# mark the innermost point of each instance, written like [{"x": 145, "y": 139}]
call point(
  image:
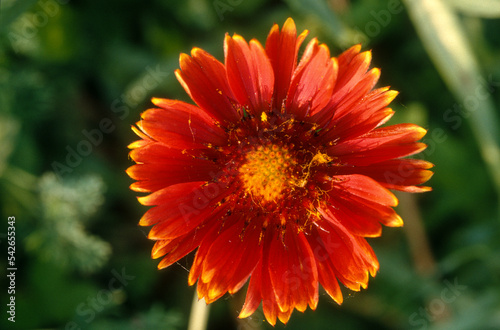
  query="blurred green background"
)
[{"x": 74, "y": 75}]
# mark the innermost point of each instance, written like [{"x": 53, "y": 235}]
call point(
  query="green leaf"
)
[
  {"x": 444, "y": 39},
  {"x": 61, "y": 236},
  {"x": 11, "y": 10},
  {"x": 482, "y": 8},
  {"x": 9, "y": 129},
  {"x": 337, "y": 30}
]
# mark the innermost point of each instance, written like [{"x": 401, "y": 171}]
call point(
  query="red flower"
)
[{"x": 278, "y": 174}]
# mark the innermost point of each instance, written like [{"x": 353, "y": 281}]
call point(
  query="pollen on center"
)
[{"x": 267, "y": 171}]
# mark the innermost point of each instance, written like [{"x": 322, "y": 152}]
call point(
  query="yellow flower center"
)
[{"x": 267, "y": 171}]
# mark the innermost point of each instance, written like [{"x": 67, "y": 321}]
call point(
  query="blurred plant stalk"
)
[
  {"x": 445, "y": 41},
  {"x": 198, "y": 317}
]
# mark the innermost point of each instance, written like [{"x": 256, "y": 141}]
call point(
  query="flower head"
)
[{"x": 278, "y": 174}]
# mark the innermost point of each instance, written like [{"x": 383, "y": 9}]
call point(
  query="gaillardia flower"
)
[{"x": 278, "y": 174}]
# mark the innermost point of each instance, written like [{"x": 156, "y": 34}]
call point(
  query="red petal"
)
[
  {"x": 170, "y": 197},
  {"x": 362, "y": 223},
  {"x": 261, "y": 289},
  {"x": 353, "y": 110},
  {"x": 399, "y": 174},
  {"x": 204, "y": 79},
  {"x": 180, "y": 220},
  {"x": 179, "y": 129},
  {"x": 363, "y": 218},
  {"x": 401, "y": 133},
  {"x": 253, "y": 296},
  {"x": 169, "y": 194},
  {"x": 336, "y": 109},
  {"x": 380, "y": 145},
  {"x": 197, "y": 265},
  {"x": 356, "y": 117},
  {"x": 312, "y": 82},
  {"x": 364, "y": 196},
  {"x": 269, "y": 304},
  {"x": 285, "y": 316},
  {"x": 326, "y": 271},
  {"x": 250, "y": 73},
  {"x": 352, "y": 101},
  {"x": 231, "y": 259},
  {"x": 279, "y": 49},
  {"x": 351, "y": 256},
  {"x": 152, "y": 177},
  {"x": 188, "y": 120},
  {"x": 293, "y": 272},
  {"x": 365, "y": 188},
  {"x": 352, "y": 66},
  {"x": 178, "y": 248},
  {"x": 159, "y": 153},
  {"x": 140, "y": 143}
]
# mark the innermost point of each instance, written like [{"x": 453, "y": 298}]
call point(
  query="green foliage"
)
[
  {"x": 8, "y": 131},
  {"x": 155, "y": 318},
  {"x": 65, "y": 210}
]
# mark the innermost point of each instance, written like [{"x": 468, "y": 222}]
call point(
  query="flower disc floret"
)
[{"x": 267, "y": 172}]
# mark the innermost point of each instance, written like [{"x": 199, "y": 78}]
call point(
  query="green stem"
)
[{"x": 199, "y": 314}]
